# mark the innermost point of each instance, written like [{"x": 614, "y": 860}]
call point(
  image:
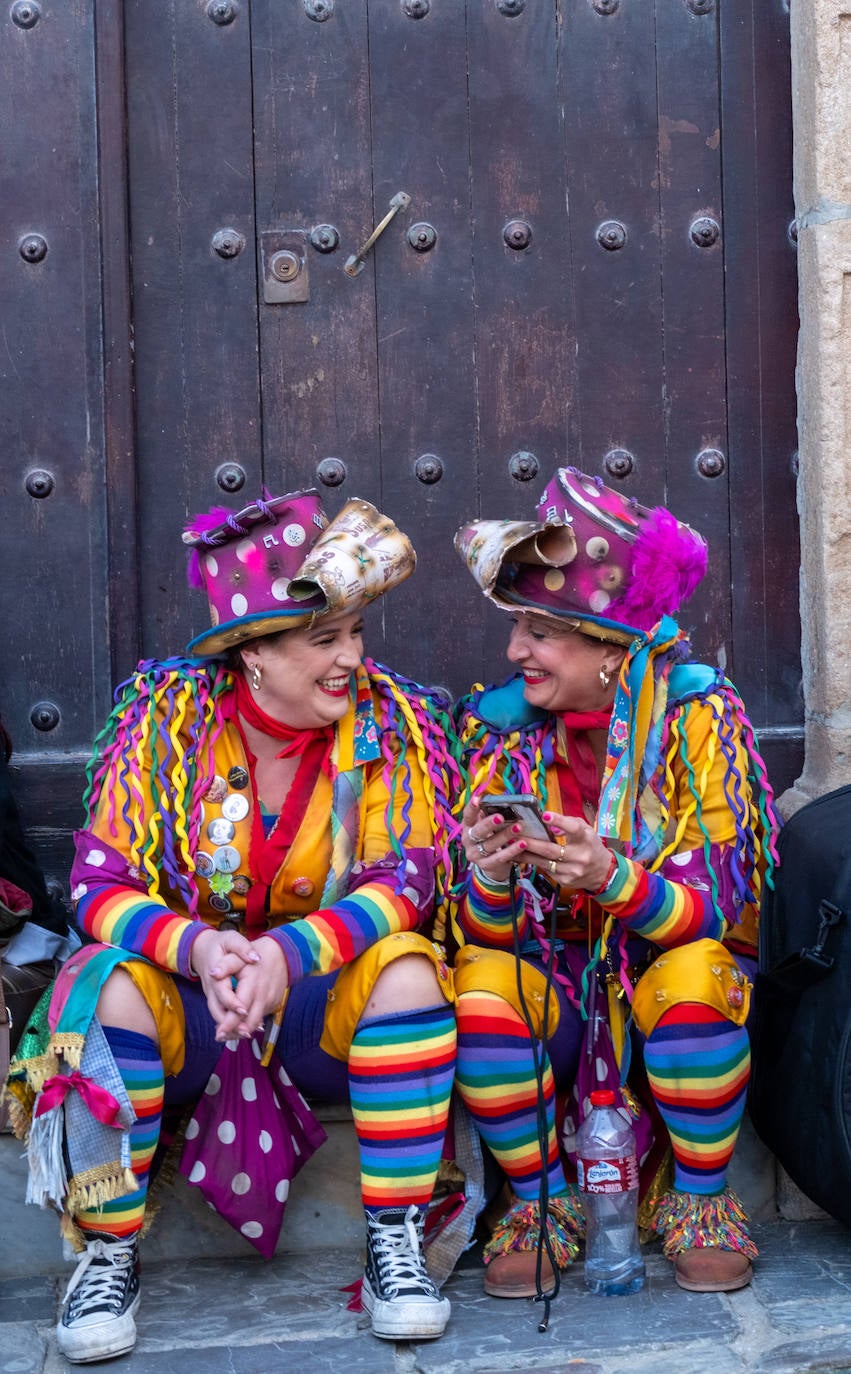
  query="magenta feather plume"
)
[
  {"x": 669, "y": 560},
  {"x": 200, "y": 525}
]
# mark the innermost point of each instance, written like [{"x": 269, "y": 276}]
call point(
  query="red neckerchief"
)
[
  {"x": 267, "y": 852},
  {"x": 578, "y": 778}
]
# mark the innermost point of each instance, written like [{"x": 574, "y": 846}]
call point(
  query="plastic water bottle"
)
[{"x": 608, "y": 1181}]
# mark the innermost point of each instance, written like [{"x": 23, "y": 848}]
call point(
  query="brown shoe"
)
[
  {"x": 710, "y": 1270},
  {"x": 512, "y": 1275}
]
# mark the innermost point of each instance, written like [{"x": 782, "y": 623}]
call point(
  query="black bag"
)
[{"x": 800, "y": 1094}]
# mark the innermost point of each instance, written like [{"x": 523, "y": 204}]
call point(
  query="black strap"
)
[{"x": 797, "y": 972}]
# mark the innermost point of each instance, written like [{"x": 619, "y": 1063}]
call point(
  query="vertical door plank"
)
[
  {"x": 426, "y": 380},
  {"x": 190, "y": 159},
  {"x": 762, "y": 325},
  {"x": 53, "y": 603},
  {"x": 608, "y": 87},
  {"x": 51, "y": 377},
  {"x": 312, "y": 148},
  {"x": 692, "y": 287},
  {"x": 525, "y": 332}
]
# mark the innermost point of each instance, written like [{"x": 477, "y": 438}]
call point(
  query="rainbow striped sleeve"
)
[
  {"x": 335, "y": 935},
  {"x": 663, "y": 912},
  {"x": 485, "y": 913},
  {"x": 123, "y": 916}
]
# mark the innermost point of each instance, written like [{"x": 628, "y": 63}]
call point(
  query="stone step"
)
[{"x": 324, "y": 1207}]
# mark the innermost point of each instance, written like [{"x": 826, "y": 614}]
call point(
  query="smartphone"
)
[{"x": 518, "y": 808}]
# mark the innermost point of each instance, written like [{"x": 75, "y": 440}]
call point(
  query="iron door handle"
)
[{"x": 355, "y": 264}]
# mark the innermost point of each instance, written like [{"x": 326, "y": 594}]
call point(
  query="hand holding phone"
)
[{"x": 518, "y": 808}]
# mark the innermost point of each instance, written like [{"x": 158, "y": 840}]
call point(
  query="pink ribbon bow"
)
[{"x": 99, "y": 1102}]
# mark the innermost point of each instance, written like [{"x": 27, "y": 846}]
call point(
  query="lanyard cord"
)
[{"x": 539, "y": 1054}]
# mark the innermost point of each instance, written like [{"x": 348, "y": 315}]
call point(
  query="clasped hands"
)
[
  {"x": 575, "y": 858},
  {"x": 243, "y": 980}
]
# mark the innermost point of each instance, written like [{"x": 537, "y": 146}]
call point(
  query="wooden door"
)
[{"x": 594, "y": 266}]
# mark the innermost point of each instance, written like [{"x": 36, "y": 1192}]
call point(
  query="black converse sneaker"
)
[
  {"x": 97, "y": 1314},
  {"x": 398, "y": 1294}
]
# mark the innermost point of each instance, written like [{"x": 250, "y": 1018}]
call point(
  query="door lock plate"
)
[{"x": 284, "y": 257}]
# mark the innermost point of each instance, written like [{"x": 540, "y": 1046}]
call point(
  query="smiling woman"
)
[
  {"x": 265, "y": 854},
  {"x": 636, "y": 916}
]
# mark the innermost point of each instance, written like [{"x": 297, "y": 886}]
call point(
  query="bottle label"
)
[{"x": 607, "y": 1175}]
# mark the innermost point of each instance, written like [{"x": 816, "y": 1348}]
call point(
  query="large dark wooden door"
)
[{"x": 594, "y": 266}]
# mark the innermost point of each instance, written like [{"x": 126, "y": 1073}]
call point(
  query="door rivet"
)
[
  {"x": 611, "y": 235},
  {"x": 422, "y": 237},
  {"x": 45, "y": 716},
  {"x": 619, "y": 462},
  {"x": 517, "y": 234},
  {"x": 228, "y": 243},
  {"x": 40, "y": 483},
  {"x": 416, "y": 9},
  {"x": 25, "y": 13},
  {"x": 606, "y": 6},
  {"x": 331, "y": 472},
  {"x": 523, "y": 466},
  {"x": 711, "y": 462},
  {"x": 324, "y": 238},
  {"x": 429, "y": 468},
  {"x": 705, "y": 231},
  {"x": 230, "y": 476},
  {"x": 32, "y": 247},
  {"x": 222, "y": 11},
  {"x": 511, "y": 8},
  {"x": 319, "y": 10}
]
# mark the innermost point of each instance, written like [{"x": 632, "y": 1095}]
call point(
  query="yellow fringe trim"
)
[
  {"x": 90, "y": 1190},
  {"x": 67, "y": 1045}
]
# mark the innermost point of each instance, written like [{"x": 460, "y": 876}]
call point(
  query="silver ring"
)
[
  {"x": 481, "y": 849},
  {"x": 561, "y": 853}
]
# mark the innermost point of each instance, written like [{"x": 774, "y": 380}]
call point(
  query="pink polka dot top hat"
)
[
  {"x": 593, "y": 556},
  {"x": 281, "y": 563}
]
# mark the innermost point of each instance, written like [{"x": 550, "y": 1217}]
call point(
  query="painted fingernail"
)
[
  {"x": 548, "y": 815},
  {"x": 497, "y": 820},
  {"x": 517, "y": 830},
  {"x": 522, "y": 844}
]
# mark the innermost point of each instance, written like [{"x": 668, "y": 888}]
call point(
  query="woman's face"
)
[
  {"x": 561, "y": 668},
  {"x": 306, "y": 673}
]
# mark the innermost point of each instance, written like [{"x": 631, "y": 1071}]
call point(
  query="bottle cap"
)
[{"x": 602, "y": 1097}]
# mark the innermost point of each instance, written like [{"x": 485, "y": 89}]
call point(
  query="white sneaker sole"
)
[
  {"x": 100, "y": 1341},
  {"x": 403, "y": 1320}
]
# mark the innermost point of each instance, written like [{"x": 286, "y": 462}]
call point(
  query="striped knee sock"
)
[
  {"x": 496, "y": 1079},
  {"x": 698, "y": 1065},
  {"x": 400, "y": 1080},
  {"x": 137, "y": 1059}
]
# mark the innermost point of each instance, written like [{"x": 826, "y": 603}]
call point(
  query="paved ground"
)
[{"x": 244, "y": 1316}]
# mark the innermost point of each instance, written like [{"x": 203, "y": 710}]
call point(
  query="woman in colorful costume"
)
[
  {"x": 264, "y": 843},
  {"x": 650, "y": 781}
]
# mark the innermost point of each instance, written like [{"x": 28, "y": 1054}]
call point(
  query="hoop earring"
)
[
  {"x": 605, "y": 678},
  {"x": 256, "y": 676}
]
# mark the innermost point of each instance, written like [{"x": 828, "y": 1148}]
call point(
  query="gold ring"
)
[
  {"x": 561, "y": 853},
  {"x": 553, "y": 865}
]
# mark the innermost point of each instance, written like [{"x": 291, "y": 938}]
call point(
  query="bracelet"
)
[
  {"x": 612, "y": 870},
  {"x": 490, "y": 882}
]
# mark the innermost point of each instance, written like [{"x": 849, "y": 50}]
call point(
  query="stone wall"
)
[{"x": 821, "y": 89}]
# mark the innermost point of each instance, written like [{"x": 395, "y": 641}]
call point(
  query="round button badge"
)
[
  {"x": 238, "y": 776},
  {"x": 217, "y": 790},
  {"x": 220, "y": 830},
  {"x": 235, "y": 806},
  {"x": 227, "y": 859},
  {"x": 204, "y": 865}
]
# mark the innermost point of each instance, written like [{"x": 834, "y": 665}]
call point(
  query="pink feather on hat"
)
[
  {"x": 199, "y": 524},
  {"x": 668, "y": 561}
]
